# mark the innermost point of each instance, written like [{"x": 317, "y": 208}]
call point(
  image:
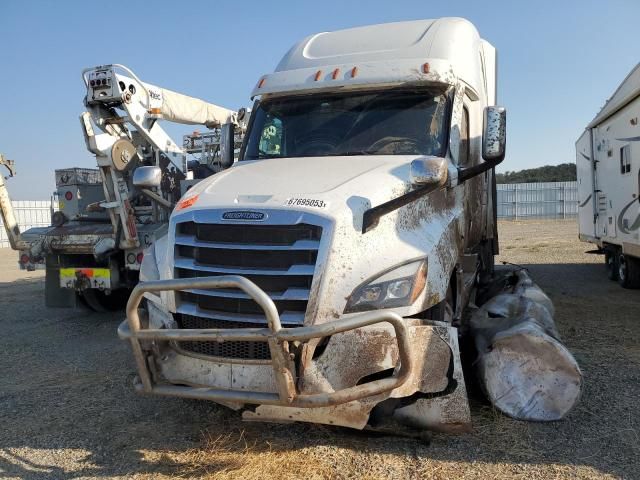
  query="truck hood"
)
[
  {"x": 265, "y": 182},
  {"x": 335, "y": 192}
]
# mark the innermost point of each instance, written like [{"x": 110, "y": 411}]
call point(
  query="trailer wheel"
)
[
  {"x": 628, "y": 271},
  {"x": 101, "y": 302},
  {"x": 611, "y": 264}
]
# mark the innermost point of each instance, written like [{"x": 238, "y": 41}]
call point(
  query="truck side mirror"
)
[
  {"x": 226, "y": 144},
  {"x": 429, "y": 171},
  {"x": 146, "y": 177},
  {"x": 494, "y": 136},
  {"x": 494, "y": 140}
]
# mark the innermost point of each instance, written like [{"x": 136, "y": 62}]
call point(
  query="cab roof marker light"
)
[
  {"x": 318, "y": 74},
  {"x": 354, "y": 72},
  {"x": 335, "y": 73},
  {"x": 425, "y": 67},
  {"x": 261, "y": 82}
]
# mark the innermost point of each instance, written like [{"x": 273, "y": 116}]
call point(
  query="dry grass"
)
[
  {"x": 75, "y": 415},
  {"x": 233, "y": 456}
]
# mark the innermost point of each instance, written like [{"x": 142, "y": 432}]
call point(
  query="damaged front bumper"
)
[{"x": 369, "y": 358}]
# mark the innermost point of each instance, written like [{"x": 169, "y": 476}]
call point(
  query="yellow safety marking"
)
[{"x": 104, "y": 273}]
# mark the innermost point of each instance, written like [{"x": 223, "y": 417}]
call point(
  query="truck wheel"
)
[
  {"x": 100, "y": 302},
  {"x": 611, "y": 264},
  {"x": 628, "y": 271}
]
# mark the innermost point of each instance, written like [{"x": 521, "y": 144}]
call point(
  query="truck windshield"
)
[{"x": 383, "y": 122}]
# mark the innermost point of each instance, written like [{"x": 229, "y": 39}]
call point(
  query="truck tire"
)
[
  {"x": 100, "y": 302},
  {"x": 611, "y": 264},
  {"x": 628, "y": 271}
]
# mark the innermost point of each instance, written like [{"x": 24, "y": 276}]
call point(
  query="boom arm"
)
[
  {"x": 144, "y": 104},
  {"x": 127, "y": 111},
  {"x": 6, "y": 209}
]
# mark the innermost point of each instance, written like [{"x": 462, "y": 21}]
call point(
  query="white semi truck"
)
[
  {"x": 323, "y": 277},
  {"x": 608, "y": 169}
]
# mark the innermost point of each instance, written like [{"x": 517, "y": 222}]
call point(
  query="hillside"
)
[{"x": 564, "y": 172}]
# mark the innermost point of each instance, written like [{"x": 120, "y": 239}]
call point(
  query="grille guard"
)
[{"x": 277, "y": 338}]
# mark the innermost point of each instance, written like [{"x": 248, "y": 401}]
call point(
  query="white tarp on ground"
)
[{"x": 525, "y": 370}]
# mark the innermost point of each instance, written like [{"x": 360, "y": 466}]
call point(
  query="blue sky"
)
[{"x": 558, "y": 60}]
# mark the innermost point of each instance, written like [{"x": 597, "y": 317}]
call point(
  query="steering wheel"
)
[
  {"x": 407, "y": 145},
  {"x": 317, "y": 142}
]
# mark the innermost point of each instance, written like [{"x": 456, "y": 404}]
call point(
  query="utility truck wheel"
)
[
  {"x": 611, "y": 264},
  {"x": 628, "y": 271},
  {"x": 101, "y": 302}
]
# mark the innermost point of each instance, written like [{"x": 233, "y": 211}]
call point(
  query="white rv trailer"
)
[{"x": 608, "y": 167}]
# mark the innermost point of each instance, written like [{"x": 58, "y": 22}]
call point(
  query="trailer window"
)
[
  {"x": 394, "y": 121},
  {"x": 625, "y": 159}
]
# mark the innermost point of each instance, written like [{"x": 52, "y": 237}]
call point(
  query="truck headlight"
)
[{"x": 396, "y": 287}]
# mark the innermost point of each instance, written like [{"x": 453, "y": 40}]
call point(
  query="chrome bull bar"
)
[{"x": 275, "y": 335}]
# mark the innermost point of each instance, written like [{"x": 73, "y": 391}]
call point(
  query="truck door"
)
[{"x": 476, "y": 193}]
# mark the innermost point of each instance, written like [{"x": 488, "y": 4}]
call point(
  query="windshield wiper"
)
[{"x": 351, "y": 153}]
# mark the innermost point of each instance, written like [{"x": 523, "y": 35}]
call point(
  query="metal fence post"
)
[{"x": 515, "y": 198}]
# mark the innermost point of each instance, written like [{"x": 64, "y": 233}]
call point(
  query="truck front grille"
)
[
  {"x": 280, "y": 259},
  {"x": 237, "y": 350}
]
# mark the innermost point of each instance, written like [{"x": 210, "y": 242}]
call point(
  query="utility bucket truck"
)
[
  {"x": 107, "y": 216},
  {"x": 324, "y": 276},
  {"x": 608, "y": 166}
]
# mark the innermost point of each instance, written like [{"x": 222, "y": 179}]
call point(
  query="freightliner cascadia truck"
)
[{"x": 323, "y": 277}]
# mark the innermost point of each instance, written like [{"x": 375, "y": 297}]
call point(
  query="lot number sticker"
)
[{"x": 306, "y": 202}]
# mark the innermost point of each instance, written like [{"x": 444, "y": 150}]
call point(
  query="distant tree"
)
[{"x": 565, "y": 172}]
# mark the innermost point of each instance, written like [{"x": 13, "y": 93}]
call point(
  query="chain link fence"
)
[
  {"x": 29, "y": 213},
  {"x": 556, "y": 200}
]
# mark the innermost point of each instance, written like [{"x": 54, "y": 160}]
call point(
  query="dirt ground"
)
[{"x": 68, "y": 410}]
